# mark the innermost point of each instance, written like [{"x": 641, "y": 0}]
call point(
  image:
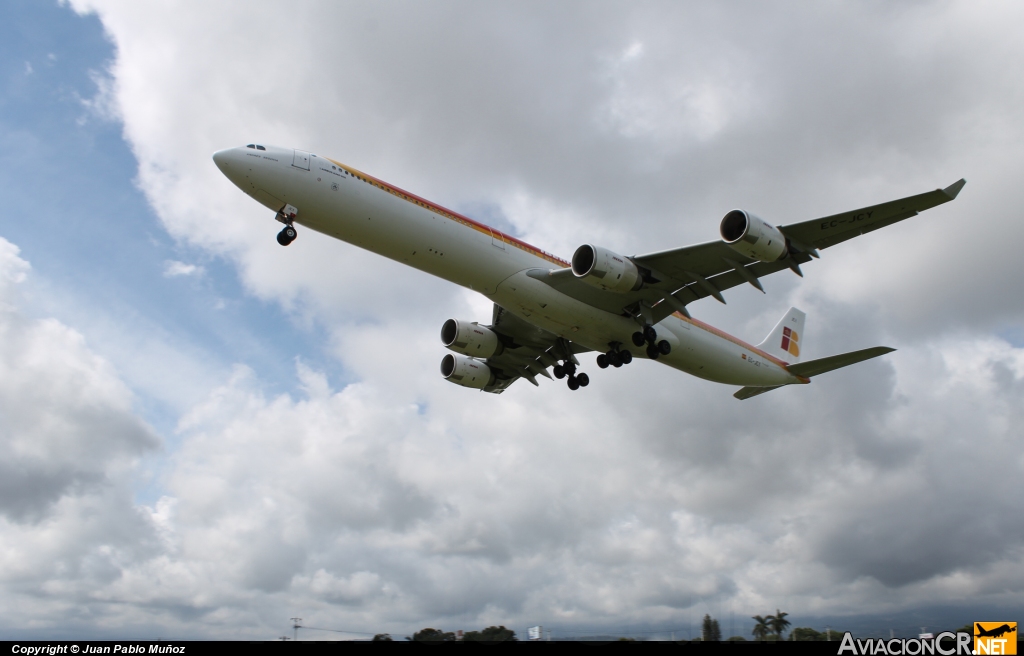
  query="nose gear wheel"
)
[{"x": 287, "y": 235}]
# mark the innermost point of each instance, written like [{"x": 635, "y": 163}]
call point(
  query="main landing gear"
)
[
  {"x": 287, "y": 235},
  {"x": 568, "y": 370},
  {"x": 649, "y": 336},
  {"x": 614, "y": 357}
]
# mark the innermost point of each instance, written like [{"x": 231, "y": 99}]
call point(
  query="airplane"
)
[
  {"x": 547, "y": 311},
  {"x": 997, "y": 632}
]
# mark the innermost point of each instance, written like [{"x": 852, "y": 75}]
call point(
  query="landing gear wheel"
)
[
  {"x": 664, "y": 347},
  {"x": 583, "y": 380},
  {"x": 287, "y": 235},
  {"x": 574, "y": 383},
  {"x": 614, "y": 359},
  {"x": 638, "y": 338},
  {"x": 626, "y": 357},
  {"x": 602, "y": 361},
  {"x": 559, "y": 372},
  {"x": 652, "y": 352},
  {"x": 650, "y": 334}
]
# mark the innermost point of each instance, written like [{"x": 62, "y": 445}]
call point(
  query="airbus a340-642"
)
[{"x": 547, "y": 311}]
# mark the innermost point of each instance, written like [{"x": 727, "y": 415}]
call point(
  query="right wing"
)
[{"x": 676, "y": 277}]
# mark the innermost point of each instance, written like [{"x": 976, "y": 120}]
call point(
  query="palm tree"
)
[
  {"x": 762, "y": 628},
  {"x": 778, "y": 623}
]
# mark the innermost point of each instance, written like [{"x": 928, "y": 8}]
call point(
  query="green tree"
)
[
  {"x": 491, "y": 634},
  {"x": 805, "y": 634},
  {"x": 762, "y": 628},
  {"x": 778, "y": 622},
  {"x": 382, "y": 637},
  {"x": 431, "y": 635},
  {"x": 710, "y": 631},
  {"x": 736, "y": 639}
]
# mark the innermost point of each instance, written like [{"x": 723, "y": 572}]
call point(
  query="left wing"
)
[
  {"x": 674, "y": 278},
  {"x": 528, "y": 352}
]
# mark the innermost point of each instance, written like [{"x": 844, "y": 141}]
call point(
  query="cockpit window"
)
[
  {"x": 260, "y": 148},
  {"x": 251, "y": 146}
]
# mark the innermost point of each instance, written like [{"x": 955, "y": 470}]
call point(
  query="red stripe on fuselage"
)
[{"x": 455, "y": 216}]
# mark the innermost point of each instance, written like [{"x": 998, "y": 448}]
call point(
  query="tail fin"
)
[{"x": 784, "y": 340}]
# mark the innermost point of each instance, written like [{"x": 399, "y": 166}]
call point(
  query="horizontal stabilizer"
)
[
  {"x": 748, "y": 392},
  {"x": 824, "y": 365}
]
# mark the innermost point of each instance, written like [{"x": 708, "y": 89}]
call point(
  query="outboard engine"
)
[{"x": 753, "y": 237}]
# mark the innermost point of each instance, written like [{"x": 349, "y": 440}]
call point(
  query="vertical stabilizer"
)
[{"x": 786, "y": 339}]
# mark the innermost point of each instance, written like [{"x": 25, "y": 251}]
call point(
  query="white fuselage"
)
[{"x": 344, "y": 203}]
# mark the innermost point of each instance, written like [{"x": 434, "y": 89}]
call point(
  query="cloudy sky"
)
[{"x": 206, "y": 434}]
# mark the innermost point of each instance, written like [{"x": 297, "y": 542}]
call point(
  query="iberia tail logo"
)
[
  {"x": 791, "y": 341},
  {"x": 995, "y": 638}
]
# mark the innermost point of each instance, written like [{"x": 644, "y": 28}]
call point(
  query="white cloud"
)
[
  {"x": 399, "y": 500},
  {"x": 71, "y": 442},
  {"x": 103, "y": 104},
  {"x": 174, "y": 268}
]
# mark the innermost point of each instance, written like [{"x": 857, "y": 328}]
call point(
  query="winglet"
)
[{"x": 954, "y": 189}]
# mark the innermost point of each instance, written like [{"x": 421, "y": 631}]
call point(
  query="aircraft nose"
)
[{"x": 222, "y": 158}]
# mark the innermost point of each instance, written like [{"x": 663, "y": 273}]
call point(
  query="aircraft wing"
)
[
  {"x": 676, "y": 277},
  {"x": 528, "y": 352}
]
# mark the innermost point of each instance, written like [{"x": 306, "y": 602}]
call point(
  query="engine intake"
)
[
  {"x": 752, "y": 236},
  {"x": 466, "y": 371},
  {"x": 470, "y": 339},
  {"x": 601, "y": 268}
]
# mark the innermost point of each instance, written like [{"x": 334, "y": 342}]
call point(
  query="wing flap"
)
[{"x": 529, "y": 350}]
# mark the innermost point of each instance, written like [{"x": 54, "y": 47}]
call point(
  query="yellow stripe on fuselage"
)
[{"x": 453, "y": 216}]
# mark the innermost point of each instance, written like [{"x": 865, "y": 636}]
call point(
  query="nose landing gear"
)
[
  {"x": 286, "y": 215},
  {"x": 649, "y": 336},
  {"x": 287, "y": 235}
]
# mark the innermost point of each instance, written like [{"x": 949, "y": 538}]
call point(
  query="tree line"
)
[{"x": 490, "y": 634}]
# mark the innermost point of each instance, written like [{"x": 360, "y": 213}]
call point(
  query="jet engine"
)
[
  {"x": 601, "y": 268},
  {"x": 466, "y": 371},
  {"x": 470, "y": 339},
  {"x": 753, "y": 237}
]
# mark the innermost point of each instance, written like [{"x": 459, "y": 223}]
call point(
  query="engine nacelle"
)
[
  {"x": 601, "y": 268},
  {"x": 753, "y": 237},
  {"x": 470, "y": 339},
  {"x": 466, "y": 371}
]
